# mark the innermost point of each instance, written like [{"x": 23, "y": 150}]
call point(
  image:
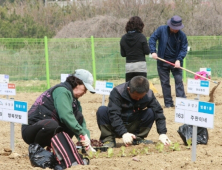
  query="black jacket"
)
[
  {"x": 121, "y": 109},
  {"x": 134, "y": 47}
]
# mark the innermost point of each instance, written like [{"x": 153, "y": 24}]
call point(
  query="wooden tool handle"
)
[{"x": 187, "y": 70}]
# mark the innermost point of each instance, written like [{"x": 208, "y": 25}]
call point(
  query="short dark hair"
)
[
  {"x": 134, "y": 24},
  {"x": 73, "y": 81},
  {"x": 139, "y": 84}
]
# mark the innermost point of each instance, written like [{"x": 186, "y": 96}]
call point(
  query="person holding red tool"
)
[{"x": 172, "y": 47}]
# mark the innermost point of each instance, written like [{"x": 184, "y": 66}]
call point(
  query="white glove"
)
[
  {"x": 85, "y": 141},
  {"x": 91, "y": 149},
  {"x": 164, "y": 139},
  {"x": 128, "y": 138}
]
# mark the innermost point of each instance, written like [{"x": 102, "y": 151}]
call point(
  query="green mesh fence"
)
[
  {"x": 206, "y": 52},
  {"x": 67, "y": 55},
  {"x": 110, "y": 64},
  {"x": 24, "y": 59}
]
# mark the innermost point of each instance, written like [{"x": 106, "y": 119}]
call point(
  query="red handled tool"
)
[{"x": 187, "y": 70}]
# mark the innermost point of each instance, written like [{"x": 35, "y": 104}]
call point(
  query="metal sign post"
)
[
  {"x": 103, "y": 101},
  {"x": 12, "y": 132},
  {"x": 194, "y": 139},
  {"x": 194, "y": 144},
  {"x": 12, "y": 139}
]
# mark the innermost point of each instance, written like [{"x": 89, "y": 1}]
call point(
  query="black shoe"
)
[
  {"x": 58, "y": 167},
  {"x": 85, "y": 162},
  {"x": 110, "y": 144},
  {"x": 168, "y": 106},
  {"x": 144, "y": 141}
]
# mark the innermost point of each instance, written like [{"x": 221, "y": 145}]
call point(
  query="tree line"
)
[{"x": 33, "y": 19}]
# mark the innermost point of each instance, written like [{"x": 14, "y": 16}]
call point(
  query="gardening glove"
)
[
  {"x": 128, "y": 138},
  {"x": 164, "y": 139},
  {"x": 91, "y": 149},
  {"x": 85, "y": 141}
]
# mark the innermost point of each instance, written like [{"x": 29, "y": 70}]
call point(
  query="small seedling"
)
[
  {"x": 110, "y": 152},
  {"x": 160, "y": 147},
  {"x": 134, "y": 152},
  {"x": 175, "y": 146},
  {"x": 145, "y": 149},
  {"x": 90, "y": 154},
  {"x": 189, "y": 142},
  {"x": 123, "y": 151},
  {"x": 97, "y": 153}
]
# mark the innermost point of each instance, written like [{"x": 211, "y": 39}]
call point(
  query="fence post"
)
[
  {"x": 47, "y": 61},
  {"x": 93, "y": 60}
]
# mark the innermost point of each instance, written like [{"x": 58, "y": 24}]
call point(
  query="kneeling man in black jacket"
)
[{"x": 130, "y": 114}]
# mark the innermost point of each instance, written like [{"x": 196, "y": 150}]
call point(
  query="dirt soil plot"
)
[{"x": 208, "y": 156}]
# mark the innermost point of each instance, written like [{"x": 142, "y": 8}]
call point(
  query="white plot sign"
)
[
  {"x": 4, "y": 78},
  {"x": 63, "y": 77},
  {"x": 208, "y": 70},
  {"x": 13, "y": 111},
  {"x": 103, "y": 87},
  {"x": 198, "y": 86},
  {"x": 7, "y": 89},
  {"x": 194, "y": 112}
]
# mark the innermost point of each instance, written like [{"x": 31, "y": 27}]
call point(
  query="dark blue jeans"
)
[{"x": 164, "y": 74}]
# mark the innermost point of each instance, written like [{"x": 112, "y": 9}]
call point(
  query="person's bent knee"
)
[
  {"x": 54, "y": 124},
  {"x": 48, "y": 124},
  {"x": 148, "y": 118},
  {"x": 102, "y": 115},
  {"x": 101, "y": 111}
]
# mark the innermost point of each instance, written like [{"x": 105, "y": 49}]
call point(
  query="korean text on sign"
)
[
  {"x": 13, "y": 111},
  {"x": 194, "y": 112}
]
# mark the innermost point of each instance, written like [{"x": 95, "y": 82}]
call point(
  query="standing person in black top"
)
[{"x": 134, "y": 47}]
